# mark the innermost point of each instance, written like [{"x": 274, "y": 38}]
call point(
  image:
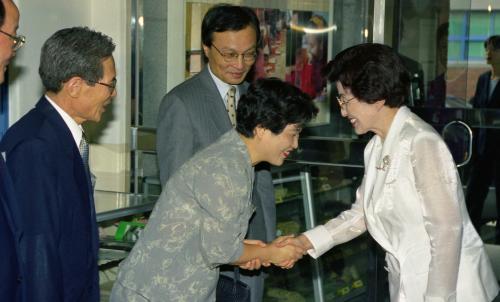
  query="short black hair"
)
[
  {"x": 2, "y": 13},
  {"x": 273, "y": 104},
  {"x": 442, "y": 32},
  {"x": 372, "y": 72},
  {"x": 71, "y": 52},
  {"x": 493, "y": 41},
  {"x": 226, "y": 17}
]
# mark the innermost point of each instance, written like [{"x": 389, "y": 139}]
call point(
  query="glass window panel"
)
[
  {"x": 454, "y": 50},
  {"x": 476, "y": 50},
  {"x": 451, "y": 86},
  {"x": 457, "y": 24},
  {"x": 346, "y": 271},
  {"x": 496, "y": 23},
  {"x": 479, "y": 24}
]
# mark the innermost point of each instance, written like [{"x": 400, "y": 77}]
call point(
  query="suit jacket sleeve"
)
[
  {"x": 223, "y": 195},
  {"x": 9, "y": 233},
  {"x": 436, "y": 178},
  {"x": 174, "y": 139},
  {"x": 33, "y": 175}
]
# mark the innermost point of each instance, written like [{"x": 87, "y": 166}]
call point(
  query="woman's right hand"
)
[
  {"x": 285, "y": 256},
  {"x": 254, "y": 264}
]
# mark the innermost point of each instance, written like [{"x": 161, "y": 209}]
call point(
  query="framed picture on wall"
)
[{"x": 293, "y": 47}]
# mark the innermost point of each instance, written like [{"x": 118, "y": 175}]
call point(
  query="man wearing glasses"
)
[
  {"x": 10, "y": 272},
  {"x": 10, "y": 42},
  {"x": 47, "y": 157},
  {"x": 197, "y": 112}
]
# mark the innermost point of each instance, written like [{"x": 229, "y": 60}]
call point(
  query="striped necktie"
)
[
  {"x": 84, "y": 152},
  {"x": 231, "y": 106}
]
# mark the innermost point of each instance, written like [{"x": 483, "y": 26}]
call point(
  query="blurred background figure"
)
[
  {"x": 486, "y": 153},
  {"x": 436, "y": 95},
  {"x": 311, "y": 57}
]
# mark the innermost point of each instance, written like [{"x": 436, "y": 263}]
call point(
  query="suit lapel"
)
[
  {"x": 389, "y": 159},
  {"x": 372, "y": 180},
  {"x": 7, "y": 199},
  {"x": 378, "y": 173},
  {"x": 215, "y": 102},
  {"x": 483, "y": 88},
  {"x": 68, "y": 145},
  {"x": 372, "y": 153},
  {"x": 495, "y": 96},
  {"x": 63, "y": 133}
]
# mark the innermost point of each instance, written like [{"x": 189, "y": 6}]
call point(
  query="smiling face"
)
[
  {"x": 94, "y": 96},
  {"x": 241, "y": 42},
  {"x": 275, "y": 148},
  {"x": 11, "y": 22},
  {"x": 362, "y": 116}
]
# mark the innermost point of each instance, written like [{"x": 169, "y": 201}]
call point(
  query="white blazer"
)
[{"x": 411, "y": 201}]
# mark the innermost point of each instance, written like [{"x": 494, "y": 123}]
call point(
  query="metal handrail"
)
[{"x": 469, "y": 130}]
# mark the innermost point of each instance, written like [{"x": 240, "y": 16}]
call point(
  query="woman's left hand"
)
[{"x": 254, "y": 264}]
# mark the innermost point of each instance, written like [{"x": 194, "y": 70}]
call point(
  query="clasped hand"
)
[{"x": 284, "y": 252}]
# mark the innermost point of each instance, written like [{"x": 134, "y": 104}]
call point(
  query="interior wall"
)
[{"x": 40, "y": 19}]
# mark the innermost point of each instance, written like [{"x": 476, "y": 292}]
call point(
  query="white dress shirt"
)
[
  {"x": 76, "y": 130},
  {"x": 223, "y": 88}
]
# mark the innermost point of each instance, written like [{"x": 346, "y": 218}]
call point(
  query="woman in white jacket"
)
[{"x": 411, "y": 198}]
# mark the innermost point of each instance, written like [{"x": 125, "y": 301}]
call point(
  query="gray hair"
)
[{"x": 73, "y": 52}]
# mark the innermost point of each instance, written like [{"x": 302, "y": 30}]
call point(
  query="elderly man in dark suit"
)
[
  {"x": 47, "y": 157},
  {"x": 486, "y": 155},
  {"x": 10, "y": 275},
  {"x": 197, "y": 112}
]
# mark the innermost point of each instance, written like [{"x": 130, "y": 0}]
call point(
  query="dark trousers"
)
[{"x": 485, "y": 171}]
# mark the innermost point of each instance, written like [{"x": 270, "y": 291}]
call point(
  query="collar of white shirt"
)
[
  {"x": 223, "y": 88},
  {"x": 76, "y": 130}
]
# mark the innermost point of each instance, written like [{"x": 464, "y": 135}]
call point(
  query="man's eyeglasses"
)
[
  {"x": 111, "y": 86},
  {"x": 232, "y": 56},
  {"x": 343, "y": 102},
  {"x": 18, "y": 40}
]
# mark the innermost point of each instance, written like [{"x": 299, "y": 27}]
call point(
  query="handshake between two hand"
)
[{"x": 284, "y": 251}]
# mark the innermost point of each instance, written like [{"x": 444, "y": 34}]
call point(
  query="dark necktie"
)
[{"x": 84, "y": 152}]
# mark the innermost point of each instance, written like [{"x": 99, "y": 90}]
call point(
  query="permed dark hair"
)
[
  {"x": 273, "y": 104},
  {"x": 73, "y": 52},
  {"x": 372, "y": 72},
  {"x": 226, "y": 17}
]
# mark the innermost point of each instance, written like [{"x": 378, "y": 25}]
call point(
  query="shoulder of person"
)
[
  {"x": 32, "y": 125},
  {"x": 192, "y": 86},
  {"x": 243, "y": 87}
]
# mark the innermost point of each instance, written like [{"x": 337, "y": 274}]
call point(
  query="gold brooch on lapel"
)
[{"x": 386, "y": 162}]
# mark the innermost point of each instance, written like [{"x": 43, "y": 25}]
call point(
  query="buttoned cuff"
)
[{"x": 320, "y": 239}]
